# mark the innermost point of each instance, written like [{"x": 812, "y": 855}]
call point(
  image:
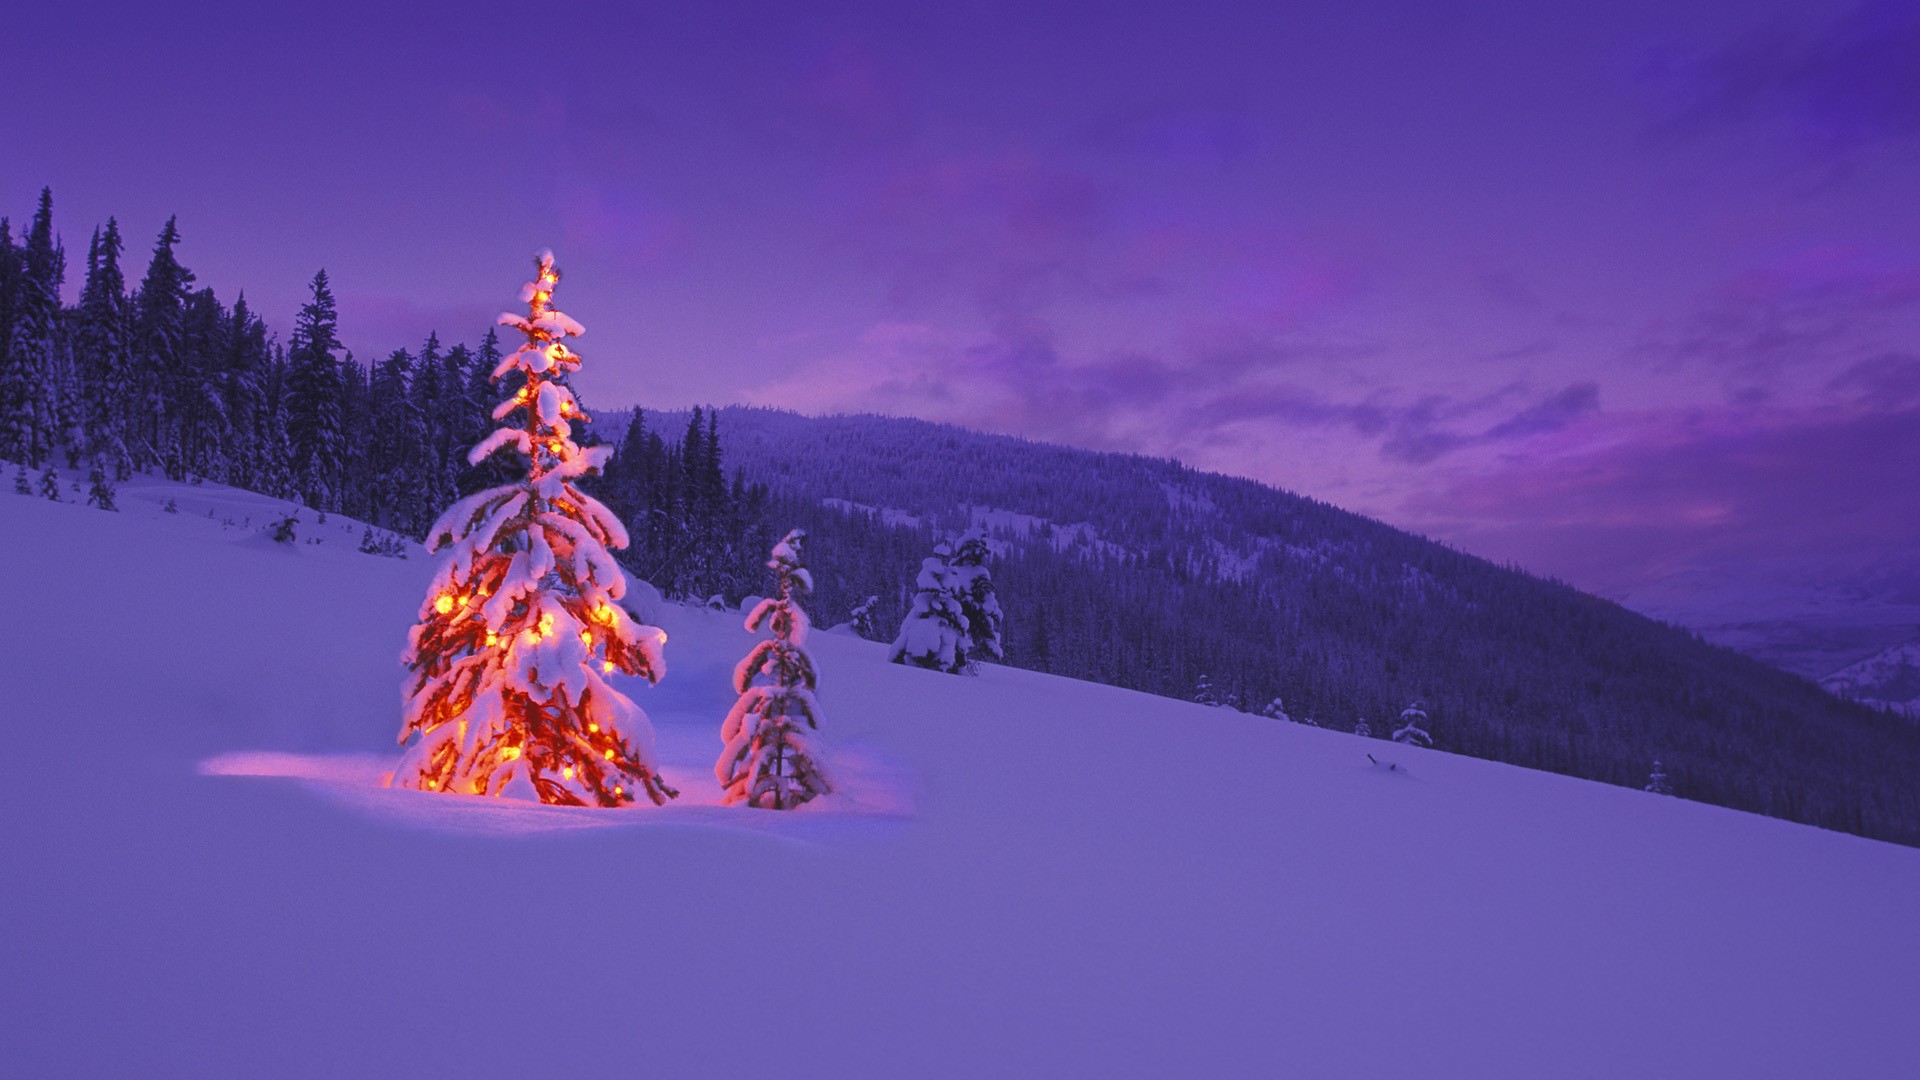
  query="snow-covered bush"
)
[
  {"x": 1410, "y": 731},
  {"x": 769, "y": 759},
  {"x": 934, "y": 633},
  {"x": 1657, "y": 781},
  {"x": 862, "y": 618},
  {"x": 972, "y": 586},
  {"x": 1205, "y": 693},
  {"x": 100, "y": 492},
  {"x": 507, "y": 692}
]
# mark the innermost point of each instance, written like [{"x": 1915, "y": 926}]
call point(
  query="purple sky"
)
[{"x": 1610, "y": 291}]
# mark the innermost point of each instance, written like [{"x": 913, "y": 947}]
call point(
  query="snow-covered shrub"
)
[
  {"x": 972, "y": 586},
  {"x": 1410, "y": 731},
  {"x": 1657, "y": 781},
  {"x": 934, "y": 633},
  {"x": 862, "y": 618}
]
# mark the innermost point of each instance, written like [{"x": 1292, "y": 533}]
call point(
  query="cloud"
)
[
  {"x": 1891, "y": 380},
  {"x": 1631, "y": 495},
  {"x": 1836, "y": 88},
  {"x": 1816, "y": 307}
]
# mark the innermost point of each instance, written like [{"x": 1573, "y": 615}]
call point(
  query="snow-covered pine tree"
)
[
  {"x": 1657, "y": 781},
  {"x": 934, "y": 633},
  {"x": 30, "y": 372},
  {"x": 20, "y": 484},
  {"x": 315, "y": 393},
  {"x": 1362, "y": 728},
  {"x": 506, "y": 694},
  {"x": 768, "y": 760},
  {"x": 159, "y": 320},
  {"x": 50, "y": 483},
  {"x": 1276, "y": 710},
  {"x": 101, "y": 351},
  {"x": 863, "y": 619},
  {"x": 1204, "y": 692},
  {"x": 1410, "y": 731},
  {"x": 100, "y": 492},
  {"x": 972, "y": 586},
  {"x": 284, "y": 529}
]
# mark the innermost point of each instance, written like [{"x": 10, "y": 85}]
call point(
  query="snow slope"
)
[
  {"x": 1024, "y": 875},
  {"x": 1889, "y": 679}
]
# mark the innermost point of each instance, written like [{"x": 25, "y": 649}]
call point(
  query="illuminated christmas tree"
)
[
  {"x": 768, "y": 760},
  {"x": 508, "y": 692}
]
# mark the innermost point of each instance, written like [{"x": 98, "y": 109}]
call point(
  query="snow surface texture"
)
[{"x": 993, "y": 892}]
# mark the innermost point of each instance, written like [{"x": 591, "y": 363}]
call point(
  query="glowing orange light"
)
[
  {"x": 510, "y": 753},
  {"x": 603, "y": 613},
  {"x": 567, "y": 772},
  {"x": 606, "y": 666},
  {"x": 492, "y": 637},
  {"x": 546, "y": 624},
  {"x": 554, "y": 447},
  {"x": 444, "y": 604},
  {"x": 432, "y": 784},
  {"x": 609, "y": 755},
  {"x": 593, "y": 728},
  {"x": 618, "y": 790},
  {"x": 586, "y": 637}
]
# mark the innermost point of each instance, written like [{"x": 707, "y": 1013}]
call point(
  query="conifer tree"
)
[
  {"x": 20, "y": 485},
  {"x": 972, "y": 586},
  {"x": 1362, "y": 728},
  {"x": 32, "y": 372},
  {"x": 159, "y": 315},
  {"x": 863, "y": 618},
  {"x": 50, "y": 483},
  {"x": 100, "y": 490},
  {"x": 1410, "y": 731},
  {"x": 1276, "y": 710},
  {"x": 275, "y": 467},
  {"x": 1204, "y": 692},
  {"x": 506, "y": 694},
  {"x": 315, "y": 395},
  {"x": 9, "y": 293},
  {"x": 934, "y": 633},
  {"x": 102, "y": 352},
  {"x": 769, "y": 760},
  {"x": 1657, "y": 781},
  {"x": 244, "y": 392}
]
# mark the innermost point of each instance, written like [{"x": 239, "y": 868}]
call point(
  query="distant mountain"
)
[
  {"x": 1143, "y": 573},
  {"x": 1808, "y": 614},
  {"x": 1887, "y": 680}
]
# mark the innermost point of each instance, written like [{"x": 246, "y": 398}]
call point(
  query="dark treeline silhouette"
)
[
  {"x": 691, "y": 531},
  {"x": 165, "y": 376}
]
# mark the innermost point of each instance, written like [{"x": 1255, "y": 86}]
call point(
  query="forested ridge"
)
[{"x": 1146, "y": 574}]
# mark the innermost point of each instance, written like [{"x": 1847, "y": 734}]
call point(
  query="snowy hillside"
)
[
  {"x": 1889, "y": 679},
  {"x": 1147, "y": 575},
  {"x": 1022, "y": 875}
]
